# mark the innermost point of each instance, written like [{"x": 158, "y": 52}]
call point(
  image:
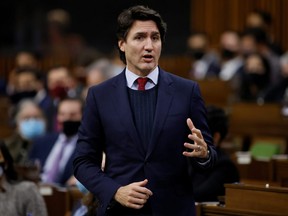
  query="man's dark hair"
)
[
  {"x": 72, "y": 99},
  {"x": 130, "y": 15},
  {"x": 217, "y": 121},
  {"x": 258, "y": 34},
  {"x": 264, "y": 15}
]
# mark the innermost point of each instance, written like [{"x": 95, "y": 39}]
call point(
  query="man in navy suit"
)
[
  {"x": 55, "y": 151},
  {"x": 153, "y": 131}
]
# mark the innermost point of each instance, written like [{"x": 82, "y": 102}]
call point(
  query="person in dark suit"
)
[
  {"x": 55, "y": 151},
  {"x": 151, "y": 134},
  {"x": 209, "y": 184}
]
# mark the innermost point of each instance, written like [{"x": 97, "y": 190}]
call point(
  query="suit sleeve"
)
[
  {"x": 88, "y": 158},
  {"x": 199, "y": 118}
]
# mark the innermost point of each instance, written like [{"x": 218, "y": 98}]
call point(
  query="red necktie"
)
[{"x": 141, "y": 83}]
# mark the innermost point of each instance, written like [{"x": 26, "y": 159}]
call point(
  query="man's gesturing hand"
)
[
  {"x": 199, "y": 148},
  {"x": 134, "y": 195}
]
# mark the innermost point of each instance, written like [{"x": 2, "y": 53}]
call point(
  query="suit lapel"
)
[{"x": 164, "y": 100}]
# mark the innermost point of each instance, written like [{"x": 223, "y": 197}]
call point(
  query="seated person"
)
[
  {"x": 17, "y": 197},
  {"x": 209, "y": 184},
  {"x": 279, "y": 92},
  {"x": 55, "y": 151},
  {"x": 255, "y": 78},
  {"x": 204, "y": 61},
  {"x": 30, "y": 123}
]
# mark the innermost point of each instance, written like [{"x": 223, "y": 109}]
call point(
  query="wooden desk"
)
[
  {"x": 216, "y": 92},
  {"x": 281, "y": 171},
  {"x": 57, "y": 200},
  {"x": 253, "y": 119},
  {"x": 256, "y": 198},
  {"x": 250, "y": 120},
  {"x": 223, "y": 211},
  {"x": 250, "y": 200},
  {"x": 256, "y": 170}
]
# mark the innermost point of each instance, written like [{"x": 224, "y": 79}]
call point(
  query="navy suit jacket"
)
[
  {"x": 108, "y": 126},
  {"x": 41, "y": 149}
]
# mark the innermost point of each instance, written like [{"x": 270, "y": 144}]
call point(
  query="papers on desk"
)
[{"x": 243, "y": 157}]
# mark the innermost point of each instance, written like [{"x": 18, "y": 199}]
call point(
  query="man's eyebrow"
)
[
  {"x": 144, "y": 32},
  {"x": 140, "y": 33},
  {"x": 156, "y": 33}
]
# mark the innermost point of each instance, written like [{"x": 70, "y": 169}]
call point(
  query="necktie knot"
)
[{"x": 141, "y": 83}]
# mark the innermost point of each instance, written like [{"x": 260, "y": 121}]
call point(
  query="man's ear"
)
[{"x": 121, "y": 45}]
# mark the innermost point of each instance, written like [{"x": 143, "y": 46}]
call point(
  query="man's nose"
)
[{"x": 149, "y": 44}]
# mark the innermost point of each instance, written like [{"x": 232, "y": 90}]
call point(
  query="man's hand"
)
[
  {"x": 134, "y": 195},
  {"x": 199, "y": 147}
]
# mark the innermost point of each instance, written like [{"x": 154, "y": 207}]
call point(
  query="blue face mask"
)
[
  {"x": 32, "y": 128},
  {"x": 81, "y": 188}
]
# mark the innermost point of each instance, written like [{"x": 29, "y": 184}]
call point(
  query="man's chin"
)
[{"x": 148, "y": 67}]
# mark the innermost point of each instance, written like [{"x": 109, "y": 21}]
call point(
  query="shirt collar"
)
[
  {"x": 131, "y": 77},
  {"x": 62, "y": 137}
]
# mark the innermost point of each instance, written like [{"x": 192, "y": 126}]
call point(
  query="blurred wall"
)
[
  {"x": 23, "y": 22},
  {"x": 216, "y": 16}
]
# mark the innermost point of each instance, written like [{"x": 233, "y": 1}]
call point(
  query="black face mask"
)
[
  {"x": 260, "y": 80},
  {"x": 196, "y": 54},
  {"x": 18, "y": 96},
  {"x": 228, "y": 54},
  {"x": 70, "y": 128}
]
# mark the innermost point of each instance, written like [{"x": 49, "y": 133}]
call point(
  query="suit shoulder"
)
[
  {"x": 47, "y": 138},
  {"x": 177, "y": 78},
  {"x": 106, "y": 84},
  {"x": 181, "y": 83}
]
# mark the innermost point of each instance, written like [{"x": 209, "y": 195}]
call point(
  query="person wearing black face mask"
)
[
  {"x": 228, "y": 54},
  {"x": 196, "y": 54},
  {"x": 56, "y": 151},
  {"x": 255, "y": 79},
  {"x": 205, "y": 63},
  {"x": 70, "y": 128},
  {"x": 231, "y": 61}
]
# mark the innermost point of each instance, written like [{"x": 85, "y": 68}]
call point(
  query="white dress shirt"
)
[{"x": 132, "y": 77}]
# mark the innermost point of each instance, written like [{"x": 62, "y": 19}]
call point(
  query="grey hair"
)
[
  {"x": 104, "y": 65},
  {"x": 22, "y": 105}
]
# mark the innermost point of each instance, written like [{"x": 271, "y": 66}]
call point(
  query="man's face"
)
[
  {"x": 24, "y": 59},
  {"x": 142, "y": 47},
  {"x": 197, "y": 42},
  {"x": 26, "y": 82},
  {"x": 254, "y": 65},
  {"x": 69, "y": 111},
  {"x": 248, "y": 45},
  {"x": 58, "y": 76},
  {"x": 230, "y": 41}
]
